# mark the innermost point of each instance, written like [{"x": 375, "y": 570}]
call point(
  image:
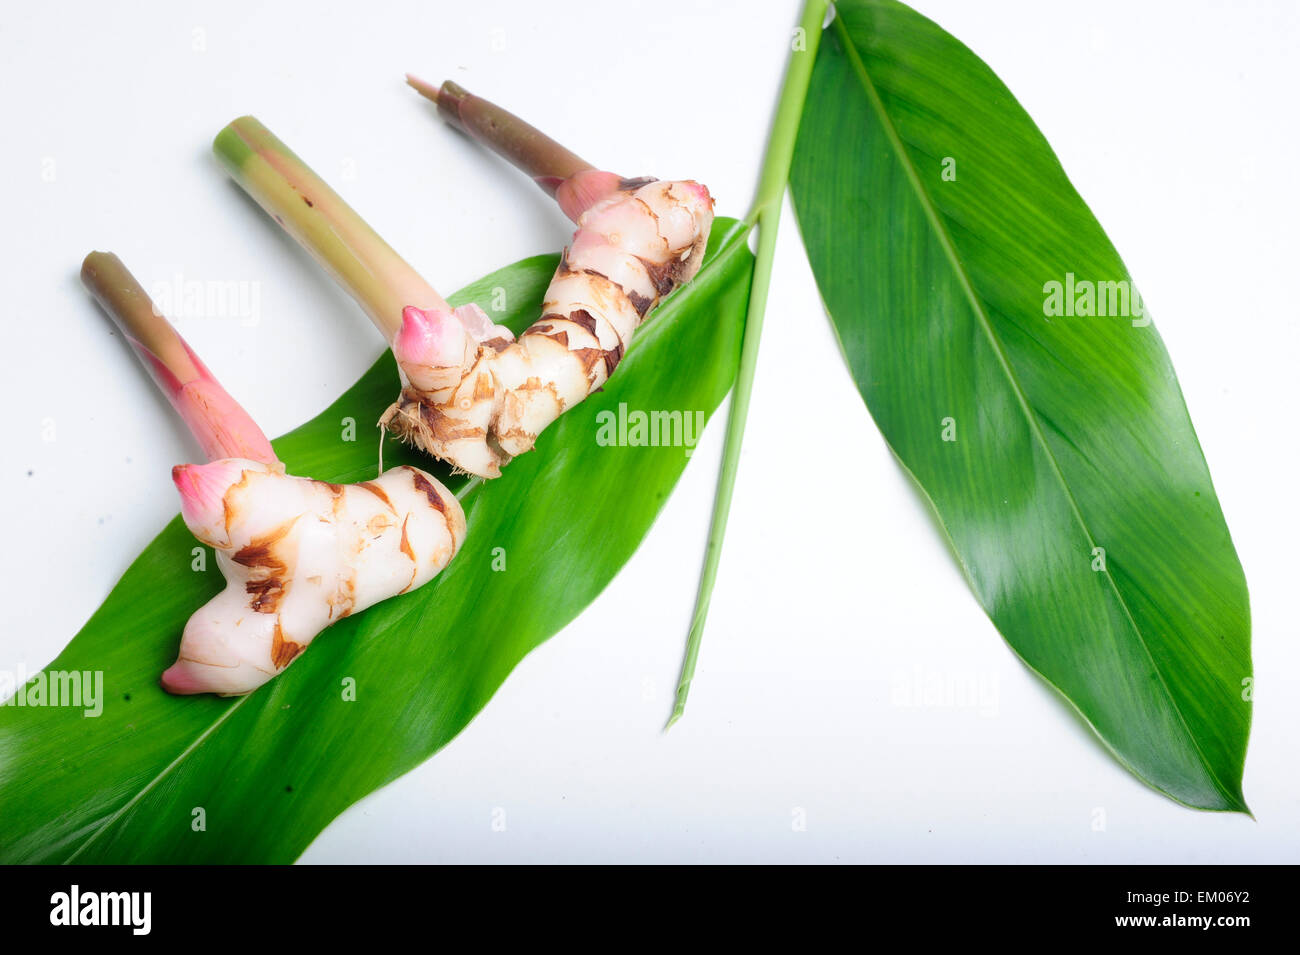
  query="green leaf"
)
[
  {"x": 1071, "y": 431},
  {"x": 270, "y": 770}
]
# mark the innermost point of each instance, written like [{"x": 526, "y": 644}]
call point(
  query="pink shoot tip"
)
[
  {"x": 181, "y": 680},
  {"x": 432, "y": 337},
  {"x": 203, "y": 490}
]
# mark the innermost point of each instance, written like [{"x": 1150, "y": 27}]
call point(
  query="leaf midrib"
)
[
  {"x": 162, "y": 773},
  {"x": 945, "y": 240}
]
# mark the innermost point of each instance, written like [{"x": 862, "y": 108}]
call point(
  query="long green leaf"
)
[
  {"x": 1055, "y": 448},
  {"x": 265, "y": 773}
]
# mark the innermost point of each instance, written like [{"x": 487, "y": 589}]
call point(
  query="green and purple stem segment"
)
[
  {"x": 765, "y": 214},
  {"x": 217, "y": 421},
  {"x": 573, "y": 182},
  {"x": 528, "y": 148},
  {"x": 379, "y": 279}
]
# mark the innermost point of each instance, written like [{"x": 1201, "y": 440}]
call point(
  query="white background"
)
[{"x": 1177, "y": 123}]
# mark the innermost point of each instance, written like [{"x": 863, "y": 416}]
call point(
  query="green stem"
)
[
  {"x": 765, "y": 215},
  {"x": 326, "y": 226}
]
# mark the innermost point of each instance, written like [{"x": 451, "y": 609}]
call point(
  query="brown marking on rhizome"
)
[
  {"x": 423, "y": 485},
  {"x": 378, "y": 492},
  {"x": 269, "y": 571},
  {"x": 283, "y": 651}
]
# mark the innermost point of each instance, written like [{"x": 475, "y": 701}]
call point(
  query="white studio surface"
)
[{"x": 807, "y": 737}]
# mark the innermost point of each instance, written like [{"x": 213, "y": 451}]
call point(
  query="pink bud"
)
[
  {"x": 203, "y": 490},
  {"x": 699, "y": 191},
  {"x": 180, "y": 679},
  {"x": 434, "y": 338}
]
